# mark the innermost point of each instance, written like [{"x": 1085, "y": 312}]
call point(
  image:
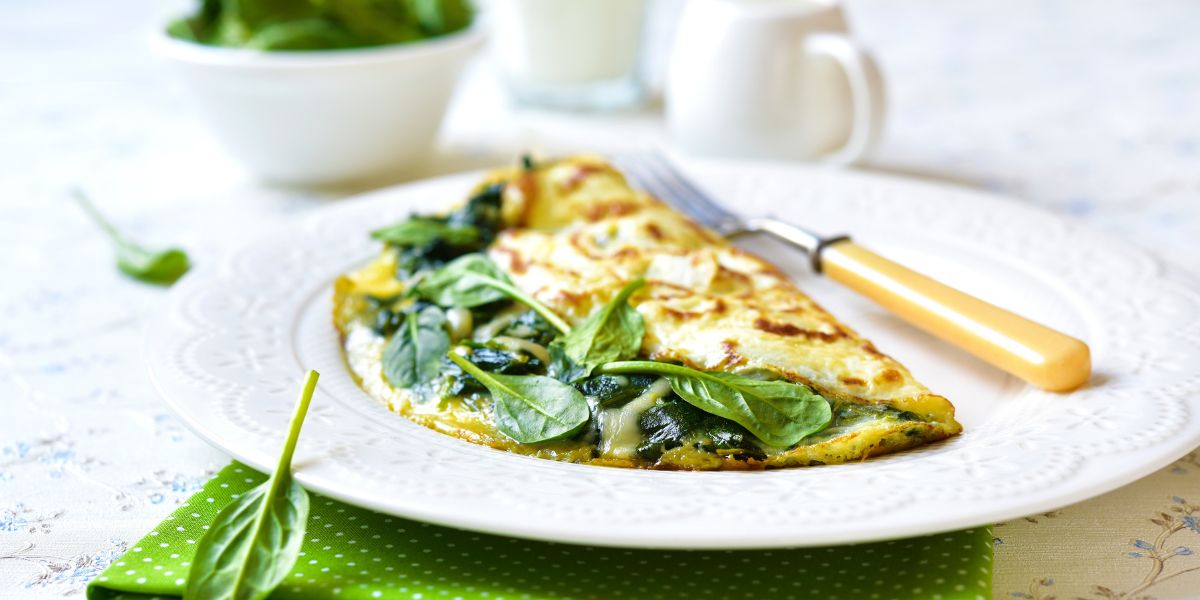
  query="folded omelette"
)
[{"x": 562, "y": 314}]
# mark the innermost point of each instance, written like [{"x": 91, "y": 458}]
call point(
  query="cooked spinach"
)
[
  {"x": 413, "y": 260},
  {"x": 388, "y": 316},
  {"x": 414, "y": 354},
  {"x": 254, "y": 542},
  {"x": 320, "y": 24},
  {"x": 612, "y": 391},
  {"x": 162, "y": 267},
  {"x": 529, "y": 325},
  {"x": 530, "y": 408},
  {"x": 453, "y": 382},
  {"x": 672, "y": 422},
  {"x": 482, "y": 212},
  {"x": 473, "y": 280},
  {"x": 422, "y": 231},
  {"x": 424, "y": 243},
  {"x": 610, "y": 334},
  {"x": 848, "y": 412},
  {"x": 779, "y": 413},
  {"x": 467, "y": 281},
  {"x": 494, "y": 358}
]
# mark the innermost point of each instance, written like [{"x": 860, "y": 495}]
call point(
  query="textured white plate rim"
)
[{"x": 1072, "y": 490}]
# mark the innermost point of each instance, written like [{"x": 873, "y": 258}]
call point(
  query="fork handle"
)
[{"x": 1038, "y": 354}]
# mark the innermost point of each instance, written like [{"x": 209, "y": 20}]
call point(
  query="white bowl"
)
[{"x": 325, "y": 116}]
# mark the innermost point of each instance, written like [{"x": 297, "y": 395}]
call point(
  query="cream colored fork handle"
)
[{"x": 1042, "y": 356}]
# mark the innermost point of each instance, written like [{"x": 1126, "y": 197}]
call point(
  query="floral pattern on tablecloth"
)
[{"x": 1141, "y": 541}]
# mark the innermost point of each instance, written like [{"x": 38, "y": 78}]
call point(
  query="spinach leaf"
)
[
  {"x": 779, "y": 413},
  {"x": 672, "y": 422},
  {"x": 389, "y": 313},
  {"x": 427, "y": 243},
  {"x": 320, "y": 24},
  {"x": 421, "y": 231},
  {"x": 436, "y": 16},
  {"x": 482, "y": 212},
  {"x": 610, "y": 334},
  {"x": 611, "y": 391},
  {"x": 414, "y": 355},
  {"x": 494, "y": 358},
  {"x": 531, "y": 326},
  {"x": 531, "y": 408},
  {"x": 465, "y": 281},
  {"x": 161, "y": 267},
  {"x": 305, "y": 34},
  {"x": 473, "y": 280},
  {"x": 254, "y": 541},
  {"x": 412, "y": 260}
]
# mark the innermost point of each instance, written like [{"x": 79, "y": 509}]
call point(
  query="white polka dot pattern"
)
[{"x": 354, "y": 553}]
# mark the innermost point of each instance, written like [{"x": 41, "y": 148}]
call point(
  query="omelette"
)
[{"x": 560, "y": 313}]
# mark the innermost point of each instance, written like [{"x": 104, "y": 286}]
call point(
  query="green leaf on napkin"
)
[
  {"x": 443, "y": 562},
  {"x": 255, "y": 540},
  {"x": 162, "y": 267}
]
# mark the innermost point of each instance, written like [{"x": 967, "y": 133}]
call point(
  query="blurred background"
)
[
  {"x": 1078, "y": 107},
  {"x": 1087, "y": 109}
]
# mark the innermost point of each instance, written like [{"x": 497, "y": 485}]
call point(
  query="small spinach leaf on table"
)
[
  {"x": 414, "y": 354},
  {"x": 531, "y": 408},
  {"x": 254, "y": 542},
  {"x": 610, "y": 334},
  {"x": 162, "y": 267}
]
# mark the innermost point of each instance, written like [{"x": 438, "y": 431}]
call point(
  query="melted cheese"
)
[{"x": 620, "y": 433}]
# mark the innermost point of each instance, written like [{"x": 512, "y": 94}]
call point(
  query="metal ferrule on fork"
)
[{"x": 811, "y": 243}]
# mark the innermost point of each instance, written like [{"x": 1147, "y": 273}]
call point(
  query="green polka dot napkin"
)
[{"x": 354, "y": 553}]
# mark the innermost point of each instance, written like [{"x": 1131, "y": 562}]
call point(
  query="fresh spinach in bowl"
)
[{"x": 320, "y": 24}]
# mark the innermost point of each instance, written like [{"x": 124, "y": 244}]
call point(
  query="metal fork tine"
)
[
  {"x": 662, "y": 187},
  {"x": 638, "y": 169},
  {"x": 655, "y": 174},
  {"x": 700, "y": 198}
]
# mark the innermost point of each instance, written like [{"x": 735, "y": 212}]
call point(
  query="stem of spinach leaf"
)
[
  {"x": 289, "y": 445},
  {"x": 520, "y": 296},
  {"x": 86, "y": 204},
  {"x": 623, "y": 367},
  {"x": 489, "y": 381},
  {"x": 254, "y": 541}
]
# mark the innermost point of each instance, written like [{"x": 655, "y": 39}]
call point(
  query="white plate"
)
[{"x": 229, "y": 350}]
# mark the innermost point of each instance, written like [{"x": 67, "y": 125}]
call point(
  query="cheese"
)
[{"x": 620, "y": 433}]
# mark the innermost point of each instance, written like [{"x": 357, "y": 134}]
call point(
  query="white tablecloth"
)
[{"x": 1086, "y": 109}]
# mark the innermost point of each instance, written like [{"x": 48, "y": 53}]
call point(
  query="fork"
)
[{"x": 1042, "y": 356}]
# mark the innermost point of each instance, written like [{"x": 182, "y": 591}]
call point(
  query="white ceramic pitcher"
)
[{"x": 772, "y": 79}]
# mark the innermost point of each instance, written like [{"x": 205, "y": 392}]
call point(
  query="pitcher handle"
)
[{"x": 866, "y": 94}]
